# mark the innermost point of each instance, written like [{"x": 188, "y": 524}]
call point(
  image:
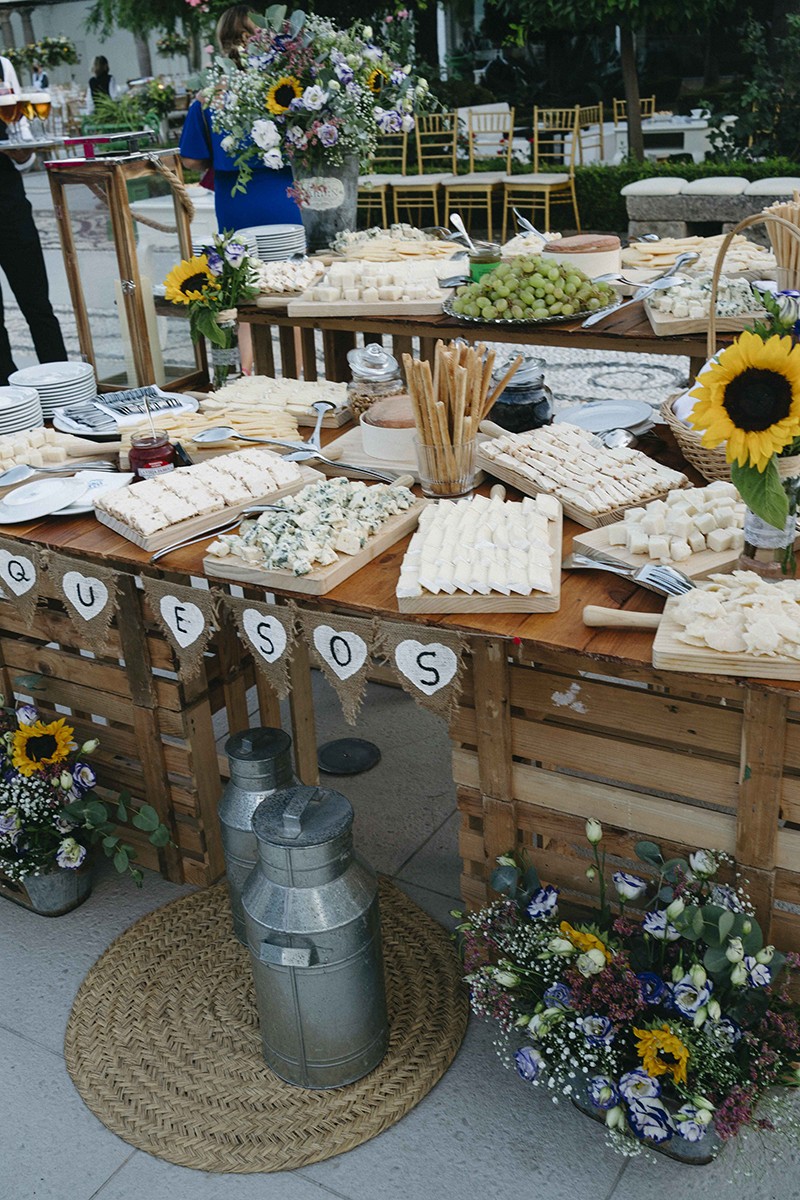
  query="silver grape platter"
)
[{"x": 559, "y": 318}]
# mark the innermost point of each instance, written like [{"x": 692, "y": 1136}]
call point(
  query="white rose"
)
[
  {"x": 314, "y": 98},
  {"x": 368, "y": 33},
  {"x": 594, "y": 831},
  {"x": 408, "y": 122},
  {"x": 265, "y": 134},
  {"x": 703, "y": 863},
  {"x": 675, "y": 909},
  {"x": 735, "y": 950},
  {"x": 227, "y": 143},
  {"x": 334, "y": 85},
  {"x": 273, "y": 159}
]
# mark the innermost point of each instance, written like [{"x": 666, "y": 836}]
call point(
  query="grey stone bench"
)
[{"x": 673, "y": 207}]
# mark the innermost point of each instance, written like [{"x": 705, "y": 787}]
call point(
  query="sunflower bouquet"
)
[
  {"x": 309, "y": 95},
  {"x": 212, "y": 284},
  {"x": 50, "y": 815},
  {"x": 748, "y": 397},
  {"x": 668, "y": 1024}
]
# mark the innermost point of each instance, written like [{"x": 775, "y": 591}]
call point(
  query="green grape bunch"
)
[{"x": 531, "y": 288}]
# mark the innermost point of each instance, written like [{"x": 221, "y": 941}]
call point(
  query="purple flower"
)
[
  {"x": 397, "y": 77},
  {"x": 758, "y": 974},
  {"x": 638, "y": 1085},
  {"x": 629, "y": 887},
  {"x": 687, "y": 1124},
  {"x": 296, "y": 136},
  {"x": 70, "y": 854},
  {"x": 9, "y": 821},
  {"x": 602, "y": 1092},
  {"x": 235, "y": 253},
  {"x": 529, "y": 1063},
  {"x": 558, "y": 995},
  {"x": 84, "y": 776},
  {"x": 657, "y": 925},
  {"x": 343, "y": 73},
  {"x": 27, "y": 715},
  {"x": 388, "y": 120},
  {"x": 214, "y": 259},
  {"x": 687, "y": 997},
  {"x": 653, "y": 987},
  {"x": 543, "y": 903},
  {"x": 725, "y": 1032},
  {"x": 648, "y": 1118},
  {"x": 598, "y": 1031},
  {"x": 328, "y": 134}
]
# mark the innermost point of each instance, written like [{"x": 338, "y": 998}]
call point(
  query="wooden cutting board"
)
[
  {"x": 671, "y": 654},
  {"x": 495, "y": 602},
  {"x": 358, "y": 308},
  {"x": 197, "y": 526},
  {"x": 579, "y": 515},
  {"x": 321, "y": 579},
  {"x": 665, "y": 325}
]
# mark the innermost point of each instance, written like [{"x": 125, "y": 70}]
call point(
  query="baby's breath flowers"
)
[{"x": 672, "y": 1022}]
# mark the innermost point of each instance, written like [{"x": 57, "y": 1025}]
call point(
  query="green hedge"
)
[{"x": 603, "y": 208}]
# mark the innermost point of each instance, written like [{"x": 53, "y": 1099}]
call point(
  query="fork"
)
[
  {"x": 251, "y": 511},
  {"x": 656, "y": 577}
]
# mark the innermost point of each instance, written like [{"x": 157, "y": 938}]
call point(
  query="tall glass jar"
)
[
  {"x": 225, "y": 359},
  {"x": 376, "y": 374},
  {"x": 769, "y": 551}
]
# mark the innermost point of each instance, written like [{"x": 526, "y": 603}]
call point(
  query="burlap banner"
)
[
  {"x": 187, "y": 617},
  {"x": 90, "y": 594},
  {"x": 268, "y": 629},
  {"x": 20, "y": 571},
  {"x": 341, "y": 646},
  {"x": 429, "y": 668}
]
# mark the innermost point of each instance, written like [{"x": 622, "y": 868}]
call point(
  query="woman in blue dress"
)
[{"x": 266, "y": 201}]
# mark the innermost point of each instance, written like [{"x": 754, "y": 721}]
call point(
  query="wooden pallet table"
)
[{"x": 557, "y": 722}]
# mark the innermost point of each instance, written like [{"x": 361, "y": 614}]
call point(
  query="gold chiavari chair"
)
[
  {"x": 552, "y": 178},
  {"x": 590, "y": 133},
  {"x": 491, "y": 136},
  {"x": 436, "y": 136},
  {"x": 647, "y": 107},
  {"x": 391, "y": 157}
]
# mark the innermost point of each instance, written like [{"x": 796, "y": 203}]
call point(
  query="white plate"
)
[
  {"x": 18, "y": 398},
  {"x": 43, "y": 496},
  {"x": 51, "y": 374},
  {"x": 99, "y": 482},
  {"x": 599, "y": 415}
]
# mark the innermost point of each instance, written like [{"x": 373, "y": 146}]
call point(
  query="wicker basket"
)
[{"x": 712, "y": 464}]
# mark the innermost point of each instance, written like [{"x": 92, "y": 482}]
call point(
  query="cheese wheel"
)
[
  {"x": 593, "y": 253},
  {"x": 391, "y": 412}
]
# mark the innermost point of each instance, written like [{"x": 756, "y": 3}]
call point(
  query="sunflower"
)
[
  {"x": 34, "y": 747},
  {"x": 750, "y": 398},
  {"x": 584, "y": 941},
  {"x": 282, "y": 93},
  {"x": 190, "y": 280},
  {"x": 375, "y": 81},
  {"x": 662, "y": 1052}
]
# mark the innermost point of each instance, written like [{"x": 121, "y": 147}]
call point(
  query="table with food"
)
[{"x": 433, "y": 486}]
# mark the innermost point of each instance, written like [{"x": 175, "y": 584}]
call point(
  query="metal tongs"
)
[{"x": 647, "y": 290}]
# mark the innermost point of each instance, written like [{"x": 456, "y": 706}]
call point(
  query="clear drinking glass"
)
[{"x": 446, "y": 471}]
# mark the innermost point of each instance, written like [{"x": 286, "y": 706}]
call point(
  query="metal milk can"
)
[
  {"x": 260, "y": 763},
  {"x": 313, "y": 931}
]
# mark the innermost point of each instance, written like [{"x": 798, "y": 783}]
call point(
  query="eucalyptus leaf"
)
[
  {"x": 754, "y": 940},
  {"x": 505, "y": 880},
  {"x": 530, "y": 880},
  {"x": 725, "y": 925},
  {"x": 649, "y": 852},
  {"x": 160, "y": 836},
  {"x": 29, "y": 683},
  {"x": 146, "y": 818},
  {"x": 121, "y": 860},
  {"x": 762, "y": 492},
  {"x": 715, "y": 961},
  {"x": 296, "y": 21}
]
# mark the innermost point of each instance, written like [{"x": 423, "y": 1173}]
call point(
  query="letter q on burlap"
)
[
  {"x": 188, "y": 618},
  {"x": 268, "y": 631},
  {"x": 341, "y": 646},
  {"x": 20, "y": 572},
  {"x": 429, "y": 666},
  {"x": 89, "y": 593}
]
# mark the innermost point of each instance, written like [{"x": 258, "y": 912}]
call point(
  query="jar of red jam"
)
[{"x": 151, "y": 454}]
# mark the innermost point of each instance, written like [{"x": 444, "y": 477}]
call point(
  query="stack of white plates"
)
[
  {"x": 58, "y": 383},
  {"x": 272, "y": 243},
  {"x": 20, "y": 409}
]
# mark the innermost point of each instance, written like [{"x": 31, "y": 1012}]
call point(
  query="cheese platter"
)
[
  {"x": 190, "y": 501},
  {"x": 594, "y": 485},
  {"x": 374, "y": 289},
  {"x": 666, "y": 325},
  {"x": 490, "y": 556},
  {"x": 282, "y": 540},
  {"x": 670, "y": 653}
]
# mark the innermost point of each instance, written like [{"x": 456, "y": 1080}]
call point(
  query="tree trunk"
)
[
  {"x": 630, "y": 79},
  {"x": 143, "y": 54},
  {"x": 195, "y": 55}
]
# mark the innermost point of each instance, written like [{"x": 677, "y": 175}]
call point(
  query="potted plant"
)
[
  {"x": 315, "y": 98},
  {"x": 672, "y": 1025},
  {"x": 51, "y": 817},
  {"x": 212, "y": 284}
]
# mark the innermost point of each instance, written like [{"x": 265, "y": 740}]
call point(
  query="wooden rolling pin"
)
[{"x": 619, "y": 618}]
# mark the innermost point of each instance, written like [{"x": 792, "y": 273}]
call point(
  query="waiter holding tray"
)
[{"x": 21, "y": 257}]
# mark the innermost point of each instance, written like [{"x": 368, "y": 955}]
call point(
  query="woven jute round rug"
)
[{"x": 163, "y": 1042}]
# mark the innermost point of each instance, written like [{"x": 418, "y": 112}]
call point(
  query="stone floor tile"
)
[{"x": 146, "y": 1176}]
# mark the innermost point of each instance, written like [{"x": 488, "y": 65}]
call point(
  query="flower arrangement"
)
[
  {"x": 172, "y": 44},
  {"x": 671, "y": 1026},
  {"x": 53, "y": 51},
  {"x": 748, "y": 397},
  {"x": 309, "y": 95},
  {"x": 212, "y": 284},
  {"x": 49, "y": 812}
]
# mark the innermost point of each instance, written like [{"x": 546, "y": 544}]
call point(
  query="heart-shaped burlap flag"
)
[
  {"x": 187, "y": 617},
  {"x": 429, "y": 669},
  {"x": 341, "y": 646},
  {"x": 268, "y": 631},
  {"x": 90, "y": 595},
  {"x": 19, "y": 575}
]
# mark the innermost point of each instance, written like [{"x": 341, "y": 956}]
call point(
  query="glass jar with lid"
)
[
  {"x": 376, "y": 374},
  {"x": 526, "y": 402},
  {"x": 151, "y": 454}
]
